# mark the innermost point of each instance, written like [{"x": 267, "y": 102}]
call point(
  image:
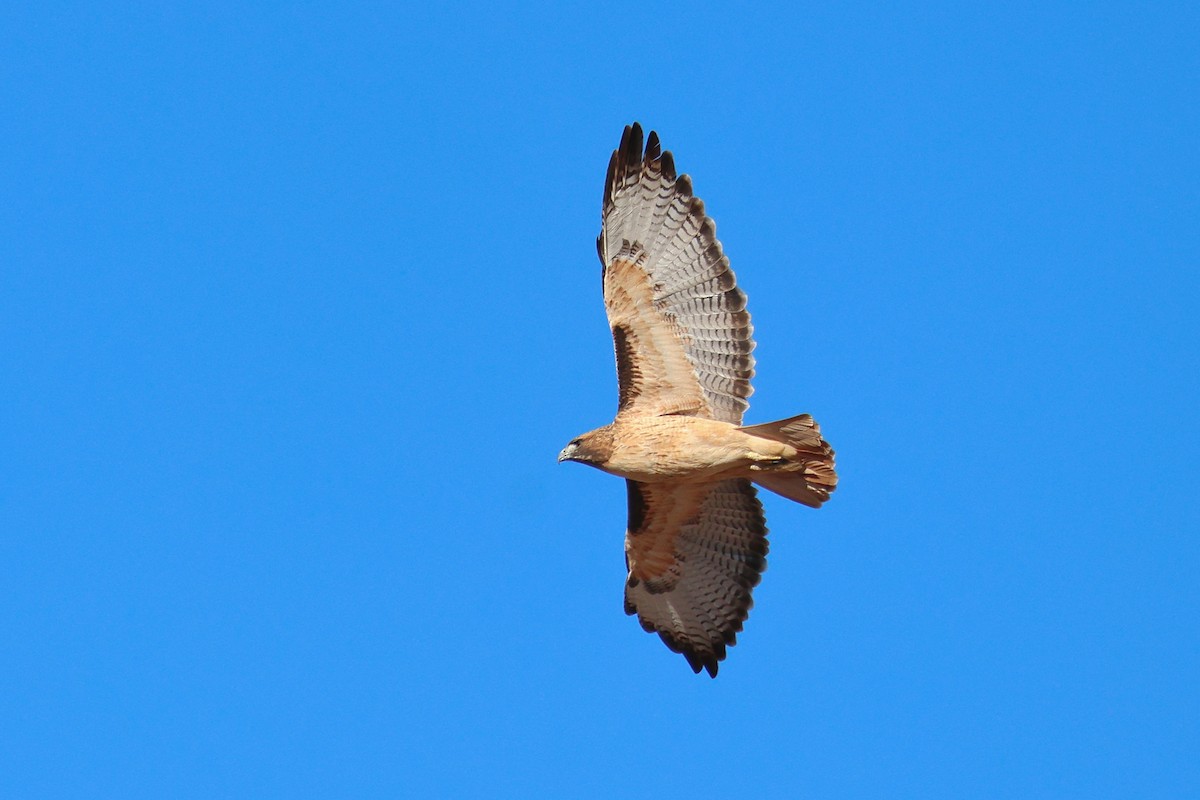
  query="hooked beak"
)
[{"x": 567, "y": 453}]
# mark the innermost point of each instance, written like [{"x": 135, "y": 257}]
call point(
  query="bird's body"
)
[
  {"x": 676, "y": 447},
  {"x": 696, "y": 541}
]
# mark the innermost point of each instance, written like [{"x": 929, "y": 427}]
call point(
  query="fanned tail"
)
[{"x": 809, "y": 478}]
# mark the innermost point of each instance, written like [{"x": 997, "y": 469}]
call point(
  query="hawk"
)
[{"x": 696, "y": 542}]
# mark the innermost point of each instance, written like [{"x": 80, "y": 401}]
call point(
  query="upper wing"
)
[
  {"x": 694, "y": 552},
  {"x": 679, "y": 322}
]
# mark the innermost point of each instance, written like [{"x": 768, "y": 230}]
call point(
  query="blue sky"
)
[{"x": 298, "y": 305}]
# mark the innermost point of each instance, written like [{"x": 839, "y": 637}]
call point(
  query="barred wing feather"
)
[{"x": 680, "y": 326}]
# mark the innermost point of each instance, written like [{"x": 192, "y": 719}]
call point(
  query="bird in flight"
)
[{"x": 696, "y": 542}]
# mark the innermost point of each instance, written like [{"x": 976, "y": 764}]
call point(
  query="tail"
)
[{"x": 810, "y": 477}]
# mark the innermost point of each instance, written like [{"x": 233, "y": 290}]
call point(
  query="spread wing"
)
[
  {"x": 680, "y": 326},
  {"x": 694, "y": 552}
]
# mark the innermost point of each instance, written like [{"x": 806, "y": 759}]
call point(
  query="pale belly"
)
[{"x": 653, "y": 449}]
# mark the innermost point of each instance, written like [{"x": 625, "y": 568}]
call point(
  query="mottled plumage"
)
[{"x": 696, "y": 542}]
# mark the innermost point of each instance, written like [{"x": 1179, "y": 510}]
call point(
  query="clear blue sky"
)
[{"x": 298, "y": 305}]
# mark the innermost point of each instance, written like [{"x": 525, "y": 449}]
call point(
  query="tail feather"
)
[{"x": 808, "y": 479}]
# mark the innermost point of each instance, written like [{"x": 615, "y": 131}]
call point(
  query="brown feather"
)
[
  {"x": 692, "y": 562},
  {"x": 669, "y": 285},
  {"x": 696, "y": 541}
]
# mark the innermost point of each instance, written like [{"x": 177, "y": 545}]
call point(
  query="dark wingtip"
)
[
  {"x": 709, "y": 662},
  {"x": 614, "y": 163},
  {"x": 667, "y": 165},
  {"x": 699, "y": 660},
  {"x": 653, "y": 147},
  {"x": 631, "y": 145},
  {"x": 683, "y": 186},
  {"x": 630, "y": 156},
  {"x": 626, "y": 157}
]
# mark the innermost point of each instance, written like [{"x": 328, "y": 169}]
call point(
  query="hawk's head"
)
[{"x": 594, "y": 447}]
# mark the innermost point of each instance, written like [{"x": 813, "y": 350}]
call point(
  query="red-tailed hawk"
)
[{"x": 696, "y": 542}]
